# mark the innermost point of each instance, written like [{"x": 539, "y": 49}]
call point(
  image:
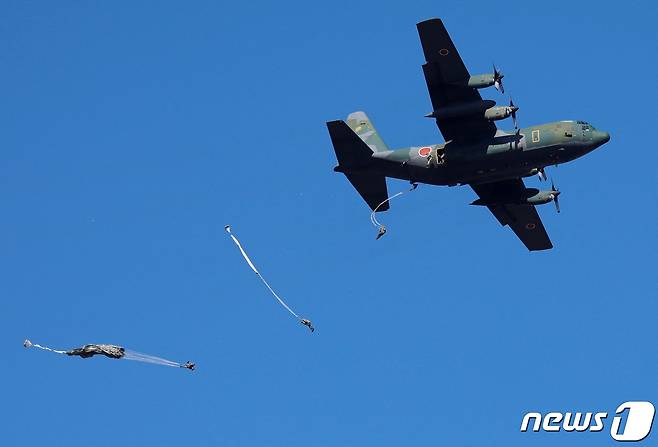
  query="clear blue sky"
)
[{"x": 131, "y": 133}]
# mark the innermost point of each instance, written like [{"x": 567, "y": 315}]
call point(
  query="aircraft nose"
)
[{"x": 601, "y": 137}]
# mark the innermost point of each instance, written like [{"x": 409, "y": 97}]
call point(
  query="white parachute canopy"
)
[{"x": 304, "y": 321}]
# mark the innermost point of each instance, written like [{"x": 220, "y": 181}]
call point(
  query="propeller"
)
[
  {"x": 513, "y": 109},
  {"x": 498, "y": 79},
  {"x": 541, "y": 174},
  {"x": 555, "y": 194}
]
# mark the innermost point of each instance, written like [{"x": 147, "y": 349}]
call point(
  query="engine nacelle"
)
[
  {"x": 536, "y": 197},
  {"x": 481, "y": 81},
  {"x": 498, "y": 113},
  {"x": 463, "y": 109},
  {"x": 531, "y": 196},
  {"x": 485, "y": 107}
]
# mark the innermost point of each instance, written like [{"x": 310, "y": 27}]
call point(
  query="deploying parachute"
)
[
  {"x": 303, "y": 321},
  {"x": 113, "y": 352},
  {"x": 373, "y": 217}
]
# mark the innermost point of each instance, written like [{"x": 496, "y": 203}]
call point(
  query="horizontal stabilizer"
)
[
  {"x": 372, "y": 188},
  {"x": 353, "y": 155}
]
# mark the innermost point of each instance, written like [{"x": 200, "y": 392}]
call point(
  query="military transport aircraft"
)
[{"x": 475, "y": 152}]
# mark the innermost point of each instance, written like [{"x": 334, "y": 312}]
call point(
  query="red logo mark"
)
[
  {"x": 424, "y": 151},
  {"x": 530, "y": 226}
]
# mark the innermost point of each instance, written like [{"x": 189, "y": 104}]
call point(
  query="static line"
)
[
  {"x": 244, "y": 253},
  {"x": 251, "y": 264},
  {"x": 373, "y": 217}
]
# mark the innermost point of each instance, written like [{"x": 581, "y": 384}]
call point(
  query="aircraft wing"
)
[
  {"x": 523, "y": 219},
  {"x": 447, "y": 77}
]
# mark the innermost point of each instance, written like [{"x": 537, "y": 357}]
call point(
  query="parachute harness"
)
[{"x": 373, "y": 217}]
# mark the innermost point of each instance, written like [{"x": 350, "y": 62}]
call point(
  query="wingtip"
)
[
  {"x": 547, "y": 247},
  {"x": 334, "y": 125},
  {"x": 429, "y": 21}
]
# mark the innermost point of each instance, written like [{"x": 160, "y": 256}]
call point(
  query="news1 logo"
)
[{"x": 632, "y": 421}]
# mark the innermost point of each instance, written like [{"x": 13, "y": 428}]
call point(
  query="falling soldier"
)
[
  {"x": 308, "y": 324},
  {"x": 188, "y": 365}
]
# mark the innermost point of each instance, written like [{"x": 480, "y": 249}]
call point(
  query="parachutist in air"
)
[
  {"x": 308, "y": 324},
  {"x": 189, "y": 365},
  {"x": 381, "y": 232},
  {"x": 111, "y": 351}
]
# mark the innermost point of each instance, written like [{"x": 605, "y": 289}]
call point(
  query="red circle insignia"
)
[
  {"x": 424, "y": 151},
  {"x": 530, "y": 226}
]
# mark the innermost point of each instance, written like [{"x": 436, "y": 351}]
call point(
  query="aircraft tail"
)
[
  {"x": 354, "y": 143},
  {"x": 362, "y": 126}
]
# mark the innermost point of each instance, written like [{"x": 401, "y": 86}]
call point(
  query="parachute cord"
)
[
  {"x": 253, "y": 267},
  {"x": 147, "y": 358},
  {"x": 29, "y": 344},
  {"x": 373, "y": 217},
  {"x": 277, "y": 297}
]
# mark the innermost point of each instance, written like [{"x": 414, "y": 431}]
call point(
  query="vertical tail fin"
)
[
  {"x": 362, "y": 126},
  {"x": 354, "y": 156}
]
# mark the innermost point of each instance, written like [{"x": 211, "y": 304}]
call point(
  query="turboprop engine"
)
[
  {"x": 486, "y": 108},
  {"x": 541, "y": 197},
  {"x": 487, "y": 80},
  {"x": 500, "y": 112},
  {"x": 481, "y": 81},
  {"x": 531, "y": 196}
]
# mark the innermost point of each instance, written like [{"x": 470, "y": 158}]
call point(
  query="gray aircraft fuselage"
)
[{"x": 504, "y": 156}]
